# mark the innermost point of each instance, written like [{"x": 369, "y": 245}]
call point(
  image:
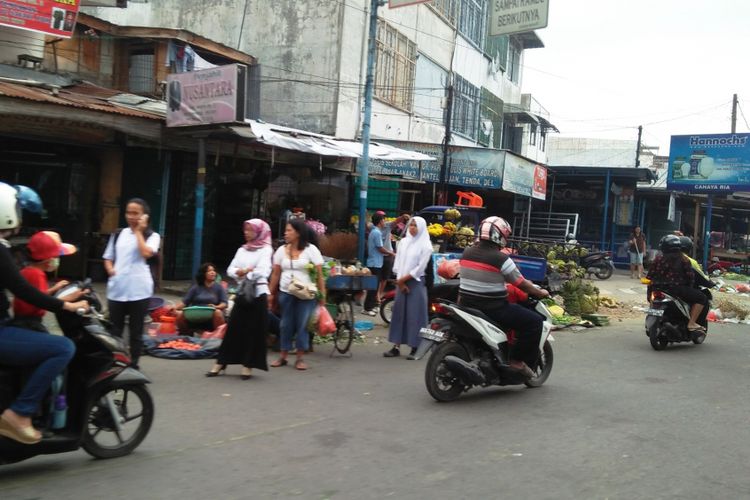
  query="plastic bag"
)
[
  {"x": 215, "y": 334},
  {"x": 326, "y": 324}
]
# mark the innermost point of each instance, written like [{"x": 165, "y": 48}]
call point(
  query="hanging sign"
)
[
  {"x": 524, "y": 177},
  {"x": 517, "y": 16},
  {"x": 53, "y": 17},
  {"x": 205, "y": 97},
  {"x": 713, "y": 163}
]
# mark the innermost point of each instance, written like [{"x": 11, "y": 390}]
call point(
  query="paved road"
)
[{"x": 615, "y": 420}]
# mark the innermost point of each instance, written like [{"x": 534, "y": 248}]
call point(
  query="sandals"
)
[
  {"x": 24, "y": 435},
  {"x": 279, "y": 362},
  {"x": 698, "y": 328},
  {"x": 300, "y": 365}
]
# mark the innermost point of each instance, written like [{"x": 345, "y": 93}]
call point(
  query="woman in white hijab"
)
[{"x": 413, "y": 254}]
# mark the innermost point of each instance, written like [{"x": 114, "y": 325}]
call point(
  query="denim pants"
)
[
  {"x": 49, "y": 354},
  {"x": 295, "y": 314}
]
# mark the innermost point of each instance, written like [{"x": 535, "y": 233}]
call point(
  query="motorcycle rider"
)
[
  {"x": 701, "y": 279},
  {"x": 672, "y": 272},
  {"x": 484, "y": 273},
  {"x": 47, "y": 354}
]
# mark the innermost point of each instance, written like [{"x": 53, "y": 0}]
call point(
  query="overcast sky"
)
[{"x": 669, "y": 65}]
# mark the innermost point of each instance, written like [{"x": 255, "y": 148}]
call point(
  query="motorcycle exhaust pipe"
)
[{"x": 467, "y": 372}]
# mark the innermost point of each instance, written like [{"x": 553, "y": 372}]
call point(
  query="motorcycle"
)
[
  {"x": 667, "y": 319},
  {"x": 599, "y": 264},
  {"x": 447, "y": 290},
  {"x": 101, "y": 404},
  {"x": 468, "y": 349}
]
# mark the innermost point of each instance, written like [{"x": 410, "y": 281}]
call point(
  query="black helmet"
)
[
  {"x": 670, "y": 243},
  {"x": 686, "y": 244}
]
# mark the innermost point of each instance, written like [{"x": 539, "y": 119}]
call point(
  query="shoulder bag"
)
[{"x": 297, "y": 288}]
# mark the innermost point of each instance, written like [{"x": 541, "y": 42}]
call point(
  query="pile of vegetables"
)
[
  {"x": 180, "y": 345},
  {"x": 580, "y": 297},
  {"x": 435, "y": 230}
]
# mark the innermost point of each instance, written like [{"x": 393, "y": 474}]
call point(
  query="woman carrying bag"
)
[
  {"x": 245, "y": 339},
  {"x": 293, "y": 290}
]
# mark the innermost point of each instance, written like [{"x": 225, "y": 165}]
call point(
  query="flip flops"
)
[
  {"x": 699, "y": 328},
  {"x": 25, "y": 435}
]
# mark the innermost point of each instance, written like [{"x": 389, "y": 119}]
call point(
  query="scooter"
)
[
  {"x": 599, "y": 264},
  {"x": 468, "y": 350},
  {"x": 101, "y": 404},
  {"x": 667, "y": 319}
]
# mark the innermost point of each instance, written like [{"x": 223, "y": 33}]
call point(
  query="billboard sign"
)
[
  {"x": 394, "y": 4},
  {"x": 524, "y": 177},
  {"x": 516, "y": 16},
  {"x": 711, "y": 163},
  {"x": 52, "y": 17},
  {"x": 206, "y": 97}
]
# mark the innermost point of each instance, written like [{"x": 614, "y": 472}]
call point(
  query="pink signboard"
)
[
  {"x": 54, "y": 17},
  {"x": 205, "y": 97}
]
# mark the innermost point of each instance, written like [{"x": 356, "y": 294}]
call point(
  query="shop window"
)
[
  {"x": 141, "y": 69},
  {"x": 472, "y": 20},
  {"x": 514, "y": 62},
  {"x": 490, "y": 120},
  {"x": 431, "y": 80},
  {"x": 447, "y": 8},
  {"x": 532, "y": 134},
  {"x": 396, "y": 61}
]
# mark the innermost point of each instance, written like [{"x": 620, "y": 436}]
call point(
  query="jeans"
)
[
  {"x": 295, "y": 314},
  {"x": 135, "y": 311},
  {"x": 49, "y": 354}
]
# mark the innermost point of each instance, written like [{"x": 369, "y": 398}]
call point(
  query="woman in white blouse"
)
[
  {"x": 245, "y": 339},
  {"x": 292, "y": 260},
  {"x": 413, "y": 254}
]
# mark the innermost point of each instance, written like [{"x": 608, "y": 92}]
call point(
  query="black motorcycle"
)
[
  {"x": 105, "y": 407},
  {"x": 667, "y": 319},
  {"x": 599, "y": 264}
]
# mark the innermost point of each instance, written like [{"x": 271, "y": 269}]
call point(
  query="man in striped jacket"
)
[{"x": 485, "y": 270}]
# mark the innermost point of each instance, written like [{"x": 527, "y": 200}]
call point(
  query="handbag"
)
[
  {"x": 303, "y": 291},
  {"x": 247, "y": 290}
]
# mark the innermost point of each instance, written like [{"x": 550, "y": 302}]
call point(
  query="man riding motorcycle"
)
[{"x": 484, "y": 273}]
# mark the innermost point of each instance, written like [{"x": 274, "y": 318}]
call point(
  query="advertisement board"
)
[
  {"x": 524, "y": 177},
  {"x": 516, "y": 16},
  {"x": 711, "y": 163},
  {"x": 205, "y": 97},
  {"x": 469, "y": 167},
  {"x": 53, "y": 17}
]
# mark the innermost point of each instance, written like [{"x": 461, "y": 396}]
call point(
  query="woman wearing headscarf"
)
[
  {"x": 245, "y": 339},
  {"x": 413, "y": 254}
]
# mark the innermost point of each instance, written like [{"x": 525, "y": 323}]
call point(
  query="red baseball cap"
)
[{"x": 48, "y": 245}]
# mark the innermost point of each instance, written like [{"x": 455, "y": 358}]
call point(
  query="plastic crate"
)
[
  {"x": 352, "y": 283},
  {"x": 532, "y": 268}
]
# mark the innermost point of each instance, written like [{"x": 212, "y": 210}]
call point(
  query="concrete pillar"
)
[{"x": 110, "y": 190}]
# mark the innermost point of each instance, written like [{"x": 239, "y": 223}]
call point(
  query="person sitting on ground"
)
[
  {"x": 44, "y": 249},
  {"x": 485, "y": 270},
  {"x": 672, "y": 272},
  {"x": 205, "y": 292}
]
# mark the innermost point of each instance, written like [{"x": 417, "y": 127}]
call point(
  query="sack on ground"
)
[{"x": 326, "y": 324}]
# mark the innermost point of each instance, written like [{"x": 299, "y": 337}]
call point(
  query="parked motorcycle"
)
[
  {"x": 667, "y": 319},
  {"x": 447, "y": 290},
  {"x": 597, "y": 263},
  {"x": 468, "y": 349},
  {"x": 101, "y": 404}
]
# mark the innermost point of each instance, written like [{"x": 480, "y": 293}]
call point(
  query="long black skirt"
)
[{"x": 245, "y": 339}]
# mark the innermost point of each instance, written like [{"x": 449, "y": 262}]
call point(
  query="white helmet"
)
[
  {"x": 12, "y": 200},
  {"x": 495, "y": 229}
]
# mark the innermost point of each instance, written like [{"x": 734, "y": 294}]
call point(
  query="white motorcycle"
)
[{"x": 471, "y": 350}]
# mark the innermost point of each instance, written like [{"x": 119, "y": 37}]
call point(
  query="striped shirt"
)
[{"x": 485, "y": 271}]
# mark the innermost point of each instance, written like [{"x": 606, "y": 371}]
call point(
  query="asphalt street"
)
[{"x": 615, "y": 420}]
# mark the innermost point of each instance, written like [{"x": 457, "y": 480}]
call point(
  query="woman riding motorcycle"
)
[
  {"x": 47, "y": 354},
  {"x": 484, "y": 273},
  {"x": 672, "y": 272}
]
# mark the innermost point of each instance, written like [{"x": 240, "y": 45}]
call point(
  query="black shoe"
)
[
  {"x": 393, "y": 353},
  {"x": 411, "y": 355}
]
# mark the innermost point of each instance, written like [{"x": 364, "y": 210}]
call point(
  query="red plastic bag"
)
[
  {"x": 215, "y": 334},
  {"x": 326, "y": 324}
]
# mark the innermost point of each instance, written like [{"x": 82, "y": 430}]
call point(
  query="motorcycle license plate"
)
[
  {"x": 655, "y": 312},
  {"x": 430, "y": 334}
]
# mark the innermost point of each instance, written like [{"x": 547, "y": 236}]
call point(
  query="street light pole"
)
[{"x": 365, "y": 161}]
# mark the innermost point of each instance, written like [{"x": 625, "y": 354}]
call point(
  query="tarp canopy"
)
[{"x": 324, "y": 145}]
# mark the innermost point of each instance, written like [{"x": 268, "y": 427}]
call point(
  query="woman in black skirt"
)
[{"x": 245, "y": 339}]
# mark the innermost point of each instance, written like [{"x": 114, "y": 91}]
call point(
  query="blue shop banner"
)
[
  {"x": 713, "y": 163},
  {"x": 469, "y": 167}
]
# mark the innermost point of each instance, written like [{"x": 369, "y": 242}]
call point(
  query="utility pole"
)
[
  {"x": 638, "y": 147},
  {"x": 365, "y": 161},
  {"x": 444, "y": 168},
  {"x": 734, "y": 113}
]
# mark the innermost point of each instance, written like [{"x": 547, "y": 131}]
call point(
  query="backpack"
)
[{"x": 154, "y": 262}]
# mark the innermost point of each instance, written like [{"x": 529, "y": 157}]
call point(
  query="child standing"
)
[{"x": 45, "y": 249}]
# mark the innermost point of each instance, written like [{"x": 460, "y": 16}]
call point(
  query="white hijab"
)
[{"x": 411, "y": 249}]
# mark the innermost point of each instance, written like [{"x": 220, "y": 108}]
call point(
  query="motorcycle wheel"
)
[
  {"x": 135, "y": 407},
  {"x": 386, "y": 310},
  {"x": 604, "y": 273},
  {"x": 659, "y": 344},
  {"x": 543, "y": 367},
  {"x": 441, "y": 383}
]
